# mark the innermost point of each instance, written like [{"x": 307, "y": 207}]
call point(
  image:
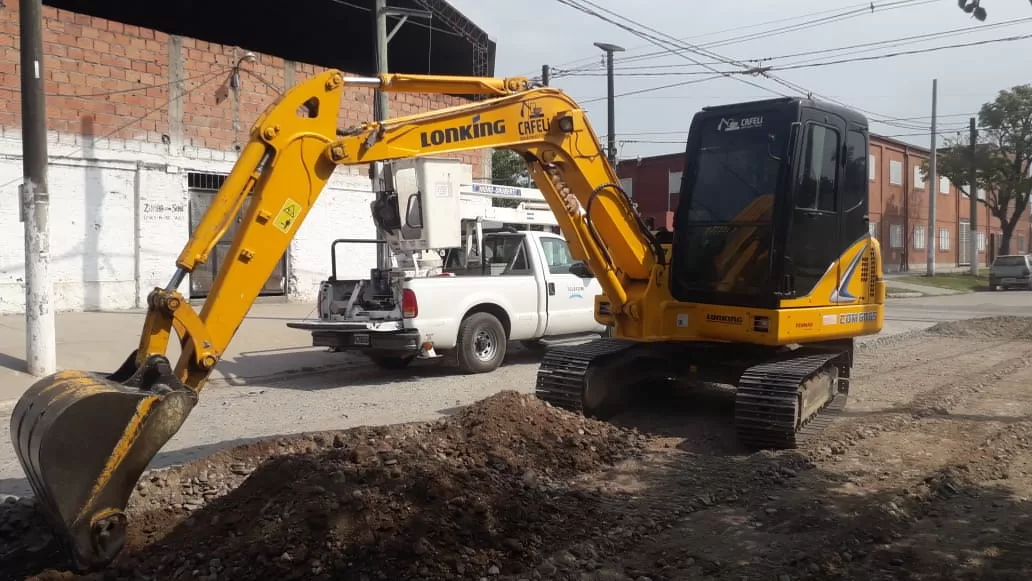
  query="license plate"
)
[{"x": 362, "y": 339}]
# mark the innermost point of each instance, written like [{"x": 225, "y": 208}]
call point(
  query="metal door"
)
[{"x": 203, "y": 187}]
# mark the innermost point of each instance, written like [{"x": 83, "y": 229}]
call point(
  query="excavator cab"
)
[{"x": 772, "y": 194}]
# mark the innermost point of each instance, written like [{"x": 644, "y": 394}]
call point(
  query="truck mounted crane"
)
[{"x": 769, "y": 276}]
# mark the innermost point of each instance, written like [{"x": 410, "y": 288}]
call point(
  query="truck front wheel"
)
[{"x": 481, "y": 343}]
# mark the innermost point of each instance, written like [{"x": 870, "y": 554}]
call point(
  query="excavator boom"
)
[{"x": 83, "y": 440}]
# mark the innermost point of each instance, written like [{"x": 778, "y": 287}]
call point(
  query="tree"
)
[
  {"x": 973, "y": 8},
  {"x": 1003, "y": 159},
  {"x": 509, "y": 169}
]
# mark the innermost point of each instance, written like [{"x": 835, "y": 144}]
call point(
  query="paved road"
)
[{"x": 273, "y": 384}]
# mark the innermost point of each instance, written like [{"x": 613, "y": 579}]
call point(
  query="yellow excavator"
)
[{"x": 769, "y": 275}]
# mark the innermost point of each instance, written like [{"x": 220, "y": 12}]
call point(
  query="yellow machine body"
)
[{"x": 84, "y": 440}]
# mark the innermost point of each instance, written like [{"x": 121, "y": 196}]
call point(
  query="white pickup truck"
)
[{"x": 526, "y": 288}]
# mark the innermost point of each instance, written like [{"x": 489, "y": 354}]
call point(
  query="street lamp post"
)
[{"x": 611, "y": 97}]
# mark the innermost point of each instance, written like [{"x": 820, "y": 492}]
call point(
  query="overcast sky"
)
[{"x": 531, "y": 33}]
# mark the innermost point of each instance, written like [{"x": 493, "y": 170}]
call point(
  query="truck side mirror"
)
[{"x": 581, "y": 269}]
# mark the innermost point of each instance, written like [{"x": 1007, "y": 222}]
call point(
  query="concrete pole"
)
[
  {"x": 381, "y": 172},
  {"x": 973, "y": 199},
  {"x": 933, "y": 186},
  {"x": 40, "y": 339},
  {"x": 610, "y": 98}
]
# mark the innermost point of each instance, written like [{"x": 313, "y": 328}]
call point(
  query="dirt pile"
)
[
  {"x": 1002, "y": 327},
  {"x": 474, "y": 495}
]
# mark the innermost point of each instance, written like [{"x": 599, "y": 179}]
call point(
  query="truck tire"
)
[
  {"x": 392, "y": 361},
  {"x": 481, "y": 343}
]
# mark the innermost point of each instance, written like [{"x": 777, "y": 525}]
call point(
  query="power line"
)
[
  {"x": 848, "y": 11},
  {"x": 793, "y": 28},
  {"x": 812, "y": 64},
  {"x": 691, "y": 48},
  {"x": 888, "y": 43}
]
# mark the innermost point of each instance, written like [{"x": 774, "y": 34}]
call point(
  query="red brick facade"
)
[
  {"x": 113, "y": 80},
  {"x": 898, "y": 207}
]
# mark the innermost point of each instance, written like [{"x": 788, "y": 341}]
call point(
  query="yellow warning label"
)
[{"x": 288, "y": 214}]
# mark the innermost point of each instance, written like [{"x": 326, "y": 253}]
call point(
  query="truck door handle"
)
[{"x": 551, "y": 288}]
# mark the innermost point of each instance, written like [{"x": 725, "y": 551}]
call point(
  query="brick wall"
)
[{"x": 119, "y": 77}]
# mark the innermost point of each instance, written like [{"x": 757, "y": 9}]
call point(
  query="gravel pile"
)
[
  {"x": 478, "y": 494},
  {"x": 1002, "y": 327}
]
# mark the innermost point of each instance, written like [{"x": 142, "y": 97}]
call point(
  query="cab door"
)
[
  {"x": 571, "y": 298},
  {"x": 814, "y": 240}
]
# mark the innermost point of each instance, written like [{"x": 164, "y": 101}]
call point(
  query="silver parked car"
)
[{"x": 1011, "y": 271}]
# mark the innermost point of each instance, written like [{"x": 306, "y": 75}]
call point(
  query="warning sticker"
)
[{"x": 288, "y": 214}]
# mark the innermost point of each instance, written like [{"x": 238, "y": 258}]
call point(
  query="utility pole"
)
[
  {"x": 380, "y": 172},
  {"x": 973, "y": 198},
  {"x": 933, "y": 186},
  {"x": 40, "y": 340},
  {"x": 611, "y": 96},
  {"x": 546, "y": 73}
]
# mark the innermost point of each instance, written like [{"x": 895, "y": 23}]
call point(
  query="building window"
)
[
  {"x": 981, "y": 241},
  {"x": 872, "y": 168},
  {"x": 919, "y": 181},
  {"x": 896, "y": 173},
  {"x": 919, "y": 237},
  {"x": 628, "y": 186},
  {"x": 944, "y": 185},
  {"x": 872, "y": 227},
  {"x": 896, "y": 235},
  {"x": 944, "y": 240},
  {"x": 1021, "y": 243},
  {"x": 674, "y": 182}
]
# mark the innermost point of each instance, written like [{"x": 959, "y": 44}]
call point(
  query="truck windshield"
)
[{"x": 727, "y": 206}]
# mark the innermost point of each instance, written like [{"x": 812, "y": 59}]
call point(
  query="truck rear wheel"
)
[{"x": 481, "y": 343}]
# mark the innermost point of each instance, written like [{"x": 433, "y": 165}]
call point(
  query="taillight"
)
[{"x": 409, "y": 305}]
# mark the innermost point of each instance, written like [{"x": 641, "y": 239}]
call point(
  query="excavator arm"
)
[{"x": 84, "y": 440}]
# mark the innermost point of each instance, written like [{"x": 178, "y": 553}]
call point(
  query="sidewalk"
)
[
  {"x": 100, "y": 341},
  {"x": 892, "y": 281}
]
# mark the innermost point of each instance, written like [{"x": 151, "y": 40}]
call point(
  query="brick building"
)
[
  {"x": 898, "y": 207},
  {"x": 145, "y": 122}
]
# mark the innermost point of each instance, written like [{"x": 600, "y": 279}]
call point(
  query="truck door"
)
[{"x": 571, "y": 299}]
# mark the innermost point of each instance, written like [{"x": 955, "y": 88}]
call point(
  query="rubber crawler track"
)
[{"x": 766, "y": 402}]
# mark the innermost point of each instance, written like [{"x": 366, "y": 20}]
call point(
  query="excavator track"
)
[
  {"x": 771, "y": 405},
  {"x": 779, "y": 404},
  {"x": 563, "y": 375}
]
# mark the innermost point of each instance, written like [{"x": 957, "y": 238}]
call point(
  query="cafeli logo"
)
[{"x": 739, "y": 124}]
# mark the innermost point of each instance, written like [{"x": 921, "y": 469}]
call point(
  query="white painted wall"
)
[{"x": 120, "y": 216}]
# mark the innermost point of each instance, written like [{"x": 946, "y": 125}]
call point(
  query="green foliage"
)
[
  {"x": 974, "y": 8},
  {"x": 1002, "y": 158},
  {"x": 509, "y": 169}
]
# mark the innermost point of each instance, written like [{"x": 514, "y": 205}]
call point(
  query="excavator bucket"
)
[{"x": 84, "y": 439}]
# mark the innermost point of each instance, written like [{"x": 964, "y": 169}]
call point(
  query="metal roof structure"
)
[{"x": 327, "y": 33}]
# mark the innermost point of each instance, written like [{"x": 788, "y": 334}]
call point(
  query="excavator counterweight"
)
[{"x": 768, "y": 277}]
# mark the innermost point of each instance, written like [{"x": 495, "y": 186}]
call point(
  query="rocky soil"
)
[{"x": 928, "y": 476}]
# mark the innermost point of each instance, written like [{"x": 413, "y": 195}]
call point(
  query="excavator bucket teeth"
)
[{"x": 83, "y": 440}]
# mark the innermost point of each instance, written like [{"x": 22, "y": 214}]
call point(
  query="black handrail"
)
[{"x": 333, "y": 251}]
